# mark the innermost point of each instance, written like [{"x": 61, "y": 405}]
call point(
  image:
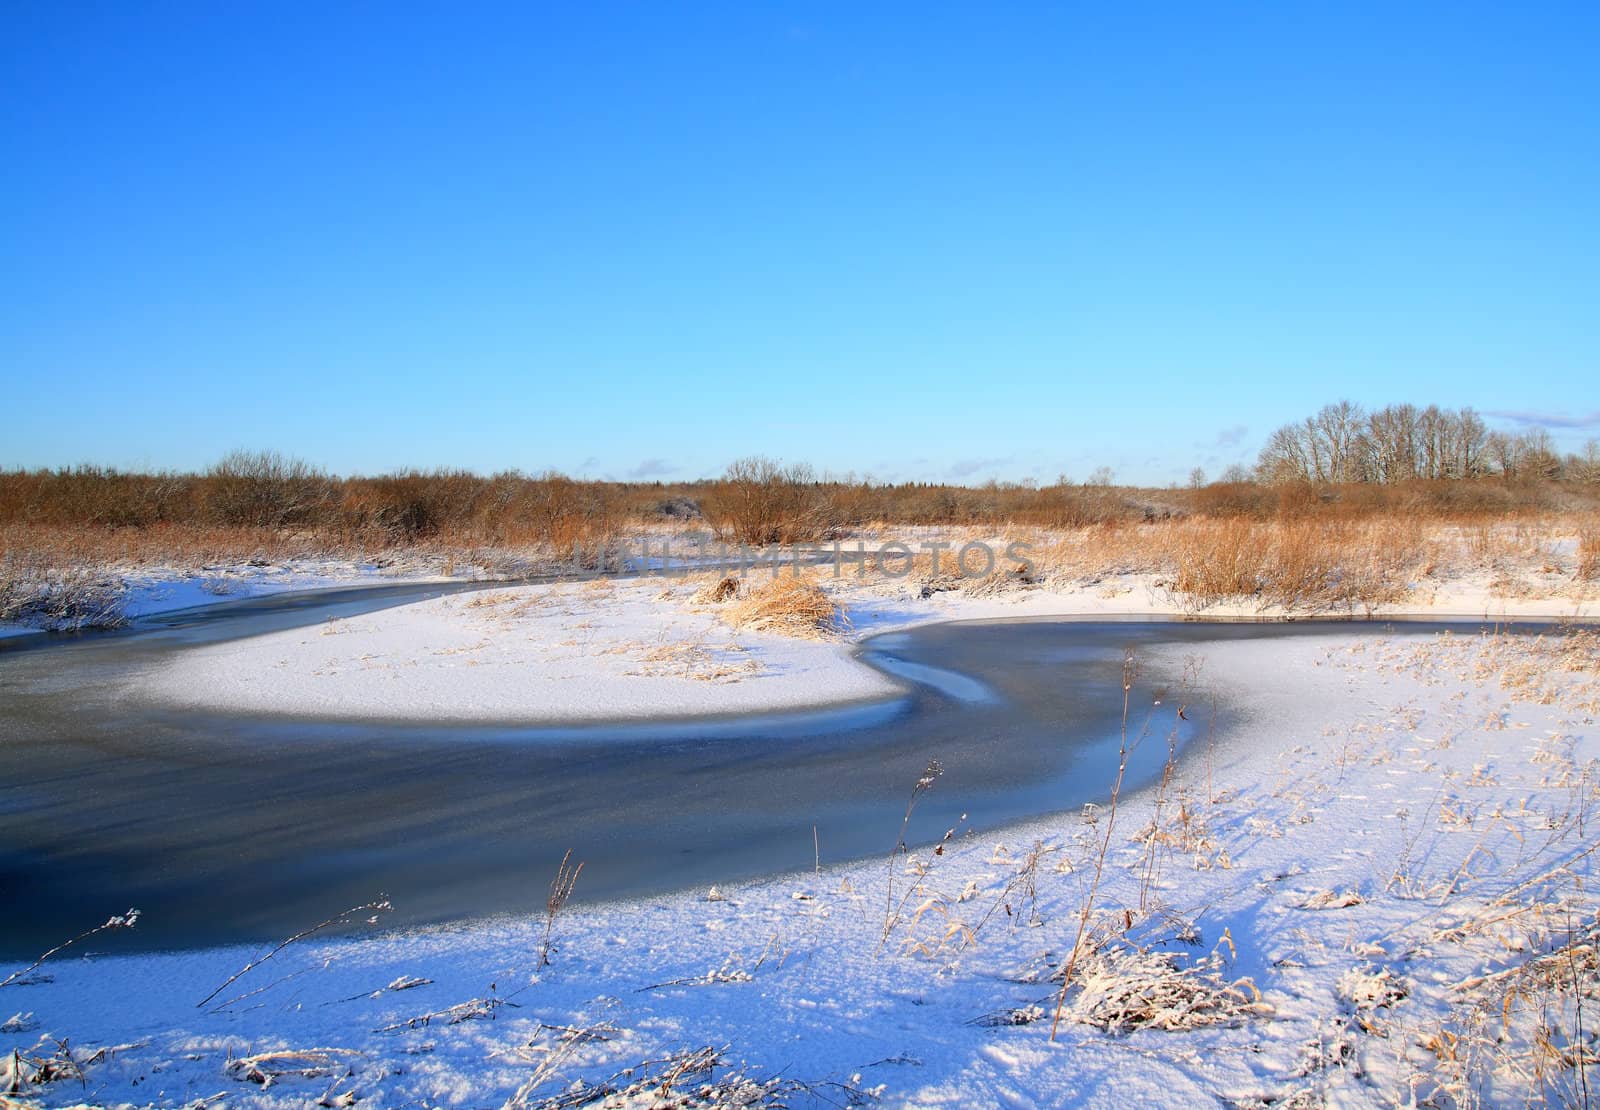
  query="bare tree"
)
[
  {"x": 1504, "y": 453},
  {"x": 1339, "y": 426},
  {"x": 1539, "y": 457},
  {"x": 1586, "y": 467},
  {"x": 1470, "y": 447},
  {"x": 1286, "y": 457},
  {"x": 1392, "y": 443}
]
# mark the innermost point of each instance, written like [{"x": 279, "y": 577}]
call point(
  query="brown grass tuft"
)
[
  {"x": 1589, "y": 551},
  {"x": 723, "y": 589},
  {"x": 789, "y": 607},
  {"x": 1218, "y": 560}
]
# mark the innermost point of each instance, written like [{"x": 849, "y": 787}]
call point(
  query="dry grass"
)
[
  {"x": 1123, "y": 987},
  {"x": 1091, "y": 553},
  {"x": 1218, "y": 561},
  {"x": 1299, "y": 566},
  {"x": 1589, "y": 551},
  {"x": 56, "y": 596},
  {"x": 790, "y": 607},
  {"x": 1334, "y": 550},
  {"x": 717, "y": 591},
  {"x": 691, "y": 660}
]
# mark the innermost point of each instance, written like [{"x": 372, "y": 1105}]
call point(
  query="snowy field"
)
[{"x": 1376, "y": 890}]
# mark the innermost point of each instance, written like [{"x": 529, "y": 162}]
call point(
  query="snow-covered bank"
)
[
  {"x": 559, "y": 652},
  {"x": 651, "y": 647},
  {"x": 148, "y": 591},
  {"x": 152, "y": 592},
  {"x": 1364, "y": 894}
]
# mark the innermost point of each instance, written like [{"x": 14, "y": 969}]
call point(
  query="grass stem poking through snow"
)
[
  {"x": 1129, "y": 670},
  {"x": 930, "y": 775},
  {"x": 561, "y": 888},
  {"x": 373, "y": 909},
  {"x": 118, "y": 921}
]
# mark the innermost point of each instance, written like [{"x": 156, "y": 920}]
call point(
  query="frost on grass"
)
[
  {"x": 40, "y": 593},
  {"x": 686, "y": 1080},
  {"x": 1123, "y": 987}
]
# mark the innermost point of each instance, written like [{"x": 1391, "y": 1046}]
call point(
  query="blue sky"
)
[{"x": 916, "y": 241}]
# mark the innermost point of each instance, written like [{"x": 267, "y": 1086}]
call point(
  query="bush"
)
[
  {"x": 263, "y": 489},
  {"x": 759, "y": 502}
]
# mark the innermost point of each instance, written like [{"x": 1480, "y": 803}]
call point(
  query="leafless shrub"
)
[
  {"x": 760, "y": 502},
  {"x": 266, "y": 490}
]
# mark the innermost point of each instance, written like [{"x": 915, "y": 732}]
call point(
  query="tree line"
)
[{"x": 1344, "y": 443}]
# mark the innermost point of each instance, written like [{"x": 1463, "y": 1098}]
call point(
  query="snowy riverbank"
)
[
  {"x": 653, "y": 647},
  {"x": 1364, "y": 893}
]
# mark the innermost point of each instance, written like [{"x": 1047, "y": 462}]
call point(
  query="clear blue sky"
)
[{"x": 911, "y": 240}]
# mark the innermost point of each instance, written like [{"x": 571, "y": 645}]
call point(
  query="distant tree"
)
[
  {"x": 1286, "y": 456},
  {"x": 1393, "y": 439},
  {"x": 1335, "y": 435},
  {"x": 1539, "y": 457},
  {"x": 1586, "y": 466},
  {"x": 1397, "y": 443}
]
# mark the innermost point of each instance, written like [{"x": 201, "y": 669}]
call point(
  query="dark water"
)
[{"x": 223, "y": 828}]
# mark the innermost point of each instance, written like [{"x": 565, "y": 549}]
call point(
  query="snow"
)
[
  {"x": 1358, "y": 895},
  {"x": 165, "y": 590},
  {"x": 561, "y": 652},
  {"x": 642, "y": 648},
  {"x": 150, "y": 591}
]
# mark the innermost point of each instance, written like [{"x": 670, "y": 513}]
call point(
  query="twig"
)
[
  {"x": 561, "y": 888},
  {"x": 375, "y": 908},
  {"x": 1128, "y": 671},
  {"x": 930, "y": 775},
  {"x": 119, "y": 921}
]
